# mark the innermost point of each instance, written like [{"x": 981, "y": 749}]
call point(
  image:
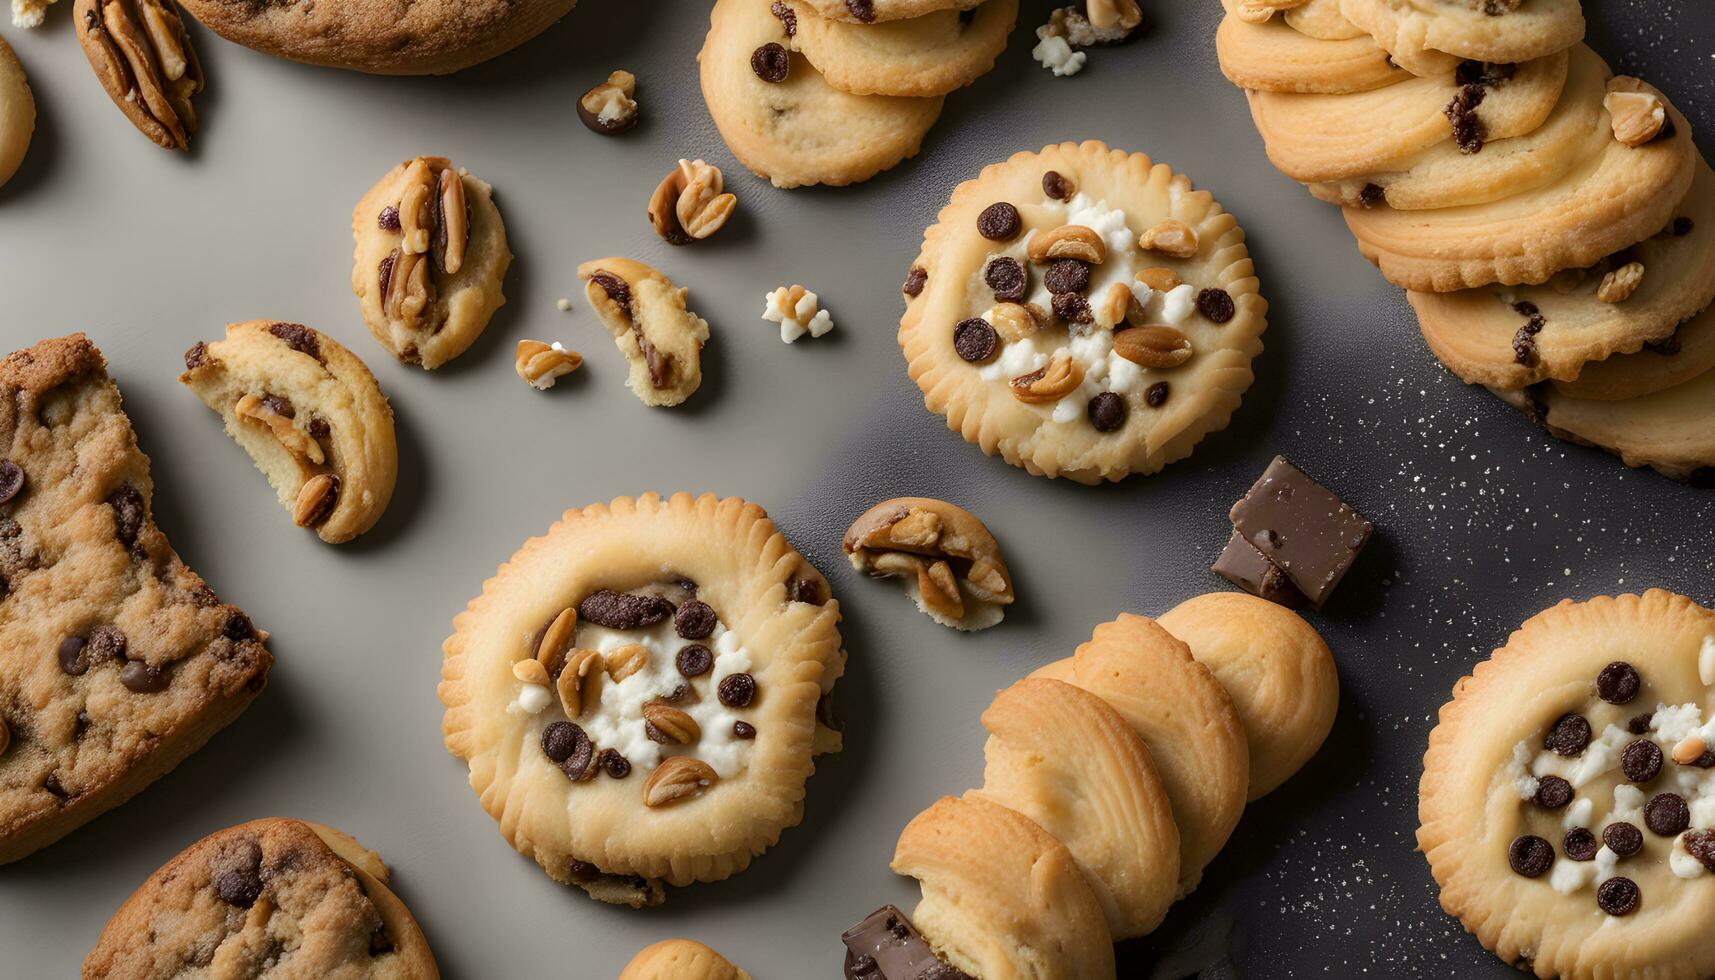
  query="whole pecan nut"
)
[
  {"x": 690, "y": 203},
  {"x": 677, "y": 778},
  {"x": 143, "y": 57}
]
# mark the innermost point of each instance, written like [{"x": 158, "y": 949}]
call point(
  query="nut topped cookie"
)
[
  {"x": 661, "y": 339},
  {"x": 274, "y": 897},
  {"x": 431, "y": 254},
  {"x": 640, "y": 692},
  {"x": 951, "y": 564},
  {"x": 1272, "y": 55},
  {"x": 1082, "y": 312},
  {"x": 116, "y": 661}
]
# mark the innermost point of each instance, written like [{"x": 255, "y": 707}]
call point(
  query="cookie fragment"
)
[
  {"x": 951, "y": 564},
  {"x": 660, "y": 338}
]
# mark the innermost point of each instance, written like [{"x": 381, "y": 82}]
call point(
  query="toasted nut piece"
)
[
  {"x": 627, "y": 660},
  {"x": 1116, "y": 305},
  {"x": 1618, "y": 285},
  {"x": 5, "y": 736},
  {"x": 888, "y": 563},
  {"x": 1015, "y": 321},
  {"x": 917, "y": 530},
  {"x": 1060, "y": 378},
  {"x": 296, "y": 440},
  {"x": 143, "y": 57},
  {"x": 678, "y": 777},
  {"x": 540, "y": 365},
  {"x": 557, "y": 639},
  {"x": 578, "y": 680},
  {"x": 416, "y": 207},
  {"x": 1153, "y": 346},
  {"x": 674, "y": 726},
  {"x": 1110, "y": 14},
  {"x": 940, "y": 590},
  {"x": 1159, "y": 278},
  {"x": 1637, "y": 117},
  {"x": 1172, "y": 236},
  {"x": 689, "y": 203},
  {"x": 452, "y": 231},
  {"x": 531, "y": 672},
  {"x": 1689, "y": 750},
  {"x": 611, "y": 107},
  {"x": 928, "y": 541},
  {"x": 1068, "y": 242},
  {"x": 404, "y": 280},
  {"x": 316, "y": 500}
]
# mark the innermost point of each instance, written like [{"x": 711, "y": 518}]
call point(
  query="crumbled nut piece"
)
[
  {"x": 540, "y": 365},
  {"x": 945, "y": 551},
  {"x": 1116, "y": 305},
  {"x": 797, "y": 311},
  {"x": 1016, "y": 321},
  {"x": 1068, "y": 242},
  {"x": 556, "y": 639},
  {"x": 611, "y": 107},
  {"x": 940, "y": 589},
  {"x": 27, "y": 14},
  {"x": 296, "y": 440},
  {"x": 670, "y": 726},
  {"x": 678, "y": 777},
  {"x": 1060, "y": 378},
  {"x": 531, "y": 672},
  {"x": 627, "y": 660},
  {"x": 1153, "y": 346},
  {"x": 689, "y": 204},
  {"x": 1689, "y": 750},
  {"x": 1618, "y": 286},
  {"x": 452, "y": 225},
  {"x": 1172, "y": 236},
  {"x": 578, "y": 680},
  {"x": 1074, "y": 27},
  {"x": 1637, "y": 116},
  {"x": 1159, "y": 278},
  {"x": 316, "y": 500}
]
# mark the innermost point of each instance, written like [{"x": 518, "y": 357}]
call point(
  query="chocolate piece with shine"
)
[
  {"x": 1302, "y": 528},
  {"x": 885, "y": 946}
]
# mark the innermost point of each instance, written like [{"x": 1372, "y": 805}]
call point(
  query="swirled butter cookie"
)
[
  {"x": 1002, "y": 899},
  {"x": 637, "y": 692},
  {"x": 1320, "y": 19},
  {"x": 17, "y": 113},
  {"x": 424, "y": 37},
  {"x": 1667, "y": 430},
  {"x": 1420, "y": 34},
  {"x": 660, "y": 338},
  {"x": 1685, "y": 354},
  {"x": 273, "y": 897},
  {"x": 1082, "y": 312},
  {"x": 928, "y": 55},
  {"x": 1567, "y": 804},
  {"x": 1274, "y": 56},
  {"x": 310, "y": 415},
  {"x": 680, "y": 959},
  {"x": 1616, "y": 198},
  {"x": 431, "y": 254},
  {"x": 783, "y": 120}
]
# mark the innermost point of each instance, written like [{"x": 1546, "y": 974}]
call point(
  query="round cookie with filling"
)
[
  {"x": 921, "y": 56},
  {"x": 425, "y": 37},
  {"x": 1420, "y": 34},
  {"x": 1274, "y": 56},
  {"x": 273, "y": 897},
  {"x": 783, "y": 120},
  {"x": 680, "y": 959},
  {"x": 431, "y": 254},
  {"x": 1082, "y": 312},
  {"x": 877, "y": 11},
  {"x": 311, "y": 416},
  {"x": 1567, "y": 804},
  {"x": 17, "y": 113},
  {"x": 639, "y": 692}
]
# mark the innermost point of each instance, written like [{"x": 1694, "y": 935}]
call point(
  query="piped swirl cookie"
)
[
  {"x": 310, "y": 415},
  {"x": 661, "y": 339},
  {"x": 1667, "y": 430},
  {"x": 928, "y": 55},
  {"x": 1567, "y": 805},
  {"x": 1082, "y": 312},
  {"x": 1272, "y": 55},
  {"x": 680, "y": 959},
  {"x": 1421, "y": 34},
  {"x": 639, "y": 692},
  {"x": 431, "y": 254}
]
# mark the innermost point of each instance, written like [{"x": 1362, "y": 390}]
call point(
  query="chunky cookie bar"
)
[{"x": 116, "y": 661}]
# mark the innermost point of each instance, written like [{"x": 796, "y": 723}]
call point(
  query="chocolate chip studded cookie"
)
[
  {"x": 116, "y": 661},
  {"x": 1567, "y": 802},
  {"x": 17, "y": 113},
  {"x": 661, "y": 339},
  {"x": 1421, "y": 34},
  {"x": 431, "y": 254},
  {"x": 1082, "y": 312},
  {"x": 144, "y": 59},
  {"x": 640, "y": 692},
  {"x": 311, "y": 416},
  {"x": 275, "y": 898}
]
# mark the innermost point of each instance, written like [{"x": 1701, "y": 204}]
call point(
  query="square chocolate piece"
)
[
  {"x": 1301, "y": 528},
  {"x": 885, "y": 946},
  {"x": 1245, "y": 567}
]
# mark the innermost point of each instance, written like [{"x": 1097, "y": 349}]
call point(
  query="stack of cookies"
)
[{"x": 1550, "y": 221}]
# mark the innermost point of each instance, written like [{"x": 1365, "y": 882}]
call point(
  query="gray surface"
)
[{"x": 1482, "y": 520}]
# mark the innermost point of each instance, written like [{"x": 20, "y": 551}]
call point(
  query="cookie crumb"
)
[{"x": 563, "y": 304}]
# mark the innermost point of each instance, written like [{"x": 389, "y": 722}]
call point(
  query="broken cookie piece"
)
[
  {"x": 1299, "y": 531},
  {"x": 951, "y": 564},
  {"x": 660, "y": 338}
]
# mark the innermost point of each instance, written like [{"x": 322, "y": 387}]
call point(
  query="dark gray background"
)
[{"x": 1481, "y": 519}]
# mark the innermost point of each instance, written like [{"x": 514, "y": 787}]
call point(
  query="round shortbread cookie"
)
[
  {"x": 1668, "y": 430},
  {"x": 876, "y": 11},
  {"x": 1067, "y": 760},
  {"x": 1187, "y": 719},
  {"x": 1314, "y": 138},
  {"x": 637, "y": 692},
  {"x": 1001, "y": 897},
  {"x": 1563, "y": 735},
  {"x": 17, "y": 112},
  {"x": 1490, "y": 336},
  {"x": 923, "y": 56},
  {"x": 1321, "y": 19},
  {"x": 1617, "y": 198},
  {"x": 799, "y": 130},
  {"x": 1687, "y": 353},
  {"x": 1274, "y": 666},
  {"x": 680, "y": 959},
  {"x": 1272, "y": 56},
  {"x": 1109, "y": 375},
  {"x": 1420, "y": 34}
]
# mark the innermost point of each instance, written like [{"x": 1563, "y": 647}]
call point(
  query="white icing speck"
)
[
  {"x": 1518, "y": 772},
  {"x": 533, "y": 698},
  {"x": 1681, "y": 861},
  {"x": 1054, "y": 54},
  {"x": 1178, "y": 303},
  {"x": 1628, "y": 804},
  {"x": 1673, "y": 723},
  {"x": 1579, "y": 813}
]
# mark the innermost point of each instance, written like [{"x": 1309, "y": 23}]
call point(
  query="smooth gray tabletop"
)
[{"x": 1481, "y": 519}]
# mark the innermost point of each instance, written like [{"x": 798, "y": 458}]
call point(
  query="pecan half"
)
[
  {"x": 1060, "y": 378},
  {"x": 452, "y": 230},
  {"x": 405, "y": 286},
  {"x": 1153, "y": 346},
  {"x": 677, "y": 778},
  {"x": 316, "y": 501},
  {"x": 627, "y": 660},
  {"x": 143, "y": 57},
  {"x": 578, "y": 680},
  {"x": 555, "y": 639},
  {"x": 531, "y": 672},
  {"x": 670, "y": 726},
  {"x": 1110, "y": 15},
  {"x": 276, "y": 415},
  {"x": 1068, "y": 242},
  {"x": 1619, "y": 285},
  {"x": 689, "y": 204}
]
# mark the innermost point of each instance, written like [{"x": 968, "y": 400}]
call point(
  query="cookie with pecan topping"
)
[{"x": 951, "y": 564}]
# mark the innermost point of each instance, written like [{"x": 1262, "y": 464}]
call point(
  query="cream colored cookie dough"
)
[
  {"x": 929, "y": 55},
  {"x": 680, "y": 959},
  {"x": 431, "y": 255},
  {"x": 950, "y": 563},
  {"x": 637, "y": 692},
  {"x": 1095, "y": 376},
  {"x": 1668, "y": 430},
  {"x": 661, "y": 339},
  {"x": 1321, "y": 19},
  {"x": 1421, "y": 34},
  {"x": 17, "y": 113},
  {"x": 880, "y": 11},
  {"x": 1273, "y": 56},
  {"x": 1277, "y": 670},
  {"x": 310, "y": 415},
  {"x": 800, "y": 130},
  {"x": 1572, "y": 727},
  {"x": 1685, "y": 354}
]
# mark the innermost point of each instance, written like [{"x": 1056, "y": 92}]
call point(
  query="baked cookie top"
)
[
  {"x": 873, "y": 11},
  {"x": 1276, "y": 55},
  {"x": 1082, "y": 312},
  {"x": 116, "y": 661},
  {"x": 931, "y": 54},
  {"x": 637, "y": 692},
  {"x": 1568, "y": 802},
  {"x": 275, "y": 898},
  {"x": 1420, "y": 34}
]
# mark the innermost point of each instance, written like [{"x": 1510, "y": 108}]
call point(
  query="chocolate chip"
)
[
  {"x": 807, "y": 590},
  {"x": 1638, "y": 724},
  {"x": 72, "y": 660},
  {"x": 379, "y": 942},
  {"x": 863, "y": 10},
  {"x": 1073, "y": 308},
  {"x": 694, "y": 660},
  {"x": 578, "y": 764},
  {"x": 1156, "y": 394},
  {"x": 694, "y": 620},
  {"x": 388, "y": 219},
  {"x": 623, "y": 610},
  {"x": 1216, "y": 304},
  {"x": 1056, "y": 186},
  {"x": 241, "y": 887},
  {"x": 736, "y": 690},
  {"x": 1668, "y": 131},
  {"x": 52, "y": 785},
  {"x": 1530, "y": 855},
  {"x": 999, "y": 222},
  {"x": 1006, "y": 276},
  {"x": 1569, "y": 736},
  {"x": 1623, "y": 838},
  {"x": 384, "y": 271},
  {"x": 613, "y": 763},
  {"x": 617, "y": 289},
  {"x": 788, "y": 17},
  {"x": 560, "y": 739},
  {"x": 1640, "y": 760},
  {"x": 197, "y": 356},
  {"x": 1618, "y": 896},
  {"x": 105, "y": 643},
  {"x": 1579, "y": 844},
  {"x": 1107, "y": 412},
  {"x": 1552, "y": 792},
  {"x": 825, "y": 713},
  {"x": 744, "y": 730},
  {"x": 1372, "y": 195},
  {"x": 128, "y": 514},
  {"x": 1618, "y": 683},
  {"x": 915, "y": 280},
  {"x": 1682, "y": 226},
  {"x": 1666, "y": 814},
  {"x": 974, "y": 340},
  {"x": 143, "y": 678},
  {"x": 771, "y": 63},
  {"x": 1700, "y": 844},
  {"x": 1067, "y": 276},
  {"x": 582, "y": 870},
  {"x": 1525, "y": 307},
  {"x": 280, "y": 406},
  {"x": 299, "y": 337},
  {"x": 11, "y": 480}
]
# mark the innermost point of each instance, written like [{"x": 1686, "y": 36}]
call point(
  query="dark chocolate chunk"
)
[
  {"x": 1569, "y": 736},
  {"x": 1623, "y": 838},
  {"x": 1067, "y": 276},
  {"x": 72, "y": 660},
  {"x": 1579, "y": 844},
  {"x": 1056, "y": 186},
  {"x": 197, "y": 356},
  {"x": 863, "y": 10},
  {"x": 1682, "y": 226},
  {"x": 1700, "y": 844},
  {"x": 736, "y": 690},
  {"x": 826, "y": 715},
  {"x": 240, "y": 887},
  {"x": 743, "y": 729},
  {"x": 1006, "y": 276},
  {"x": 1107, "y": 412},
  {"x": 1156, "y": 394},
  {"x": 617, "y": 289},
  {"x": 238, "y": 627},
  {"x": 1244, "y": 566},
  {"x": 1618, "y": 683},
  {"x": 771, "y": 63},
  {"x": 298, "y": 337},
  {"x": 581, "y": 763},
  {"x": 1372, "y": 195},
  {"x": 143, "y": 678},
  {"x": 613, "y": 763},
  {"x": 915, "y": 280},
  {"x": 623, "y": 610},
  {"x": 694, "y": 620},
  {"x": 885, "y": 946},
  {"x": 1618, "y": 896},
  {"x": 1666, "y": 815},
  {"x": 1073, "y": 308},
  {"x": 810, "y": 591},
  {"x": 128, "y": 514},
  {"x": 560, "y": 738},
  {"x": 1300, "y": 526},
  {"x": 694, "y": 660},
  {"x": 974, "y": 340},
  {"x": 379, "y": 942},
  {"x": 788, "y": 17},
  {"x": 999, "y": 222},
  {"x": 388, "y": 219},
  {"x": 11, "y": 480},
  {"x": 1530, "y": 855},
  {"x": 1640, "y": 760},
  {"x": 1552, "y": 792},
  {"x": 1638, "y": 724},
  {"x": 1216, "y": 304}
]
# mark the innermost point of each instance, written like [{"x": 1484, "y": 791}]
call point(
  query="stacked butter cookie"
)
[{"x": 1549, "y": 220}]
